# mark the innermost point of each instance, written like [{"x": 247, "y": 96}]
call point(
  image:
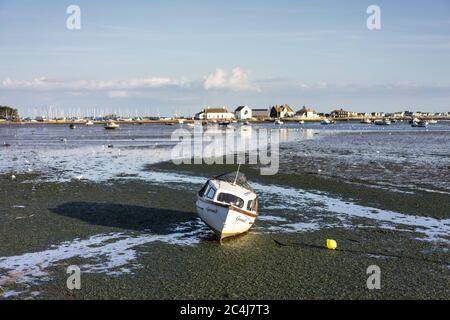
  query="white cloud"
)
[
  {"x": 118, "y": 94},
  {"x": 238, "y": 80},
  {"x": 218, "y": 79},
  {"x": 43, "y": 83}
]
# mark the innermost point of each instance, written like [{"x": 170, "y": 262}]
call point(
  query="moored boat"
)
[
  {"x": 228, "y": 205},
  {"x": 89, "y": 123},
  {"x": 420, "y": 124},
  {"x": 325, "y": 121},
  {"x": 278, "y": 122},
  {"x": 384, "y": 122},
  {"x": 111, "y": 126},
  {"x": 366, "y": 121}
]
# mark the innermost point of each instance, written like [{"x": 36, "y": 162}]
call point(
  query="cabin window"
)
[
  {"x": 231, "y": 199},
  {"x": 211, "y": 193},
  {"x": 201, "y": 193},
  {"x": 255, "y": 205},
  {"x": 250, "y": 205}
]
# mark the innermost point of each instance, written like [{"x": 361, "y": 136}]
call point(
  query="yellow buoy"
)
[{"x": 331, "y": 244}]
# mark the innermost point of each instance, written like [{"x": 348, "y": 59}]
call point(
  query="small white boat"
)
[
  {"x": 432, "y": 121},
  {"x": 246, "y": 123},
  {"x": 111, "y": 126},
  {"x": 301, "y": 122},
  {"x": 191, "y": 125},
  {"x": 384, "y": 122},
  {"x": 228, "y": 205},
  {"x": 72, "y": 126},
  {"x": 325, "y": 121},
  {"x": 89, "y": 123},
  {"x": 420, "y": 124},
  {"x": 278, "y": 122},
  {"x": 366, "y": 121}
]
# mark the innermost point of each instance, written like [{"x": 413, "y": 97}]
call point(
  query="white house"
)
[
  {"x": 214, "y": 114},
  {"x": 243, "y": 113},
  {"x": 307, "y": 113}
]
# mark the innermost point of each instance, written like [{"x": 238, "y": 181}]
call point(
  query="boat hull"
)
[{"x": 225, "y": 220}]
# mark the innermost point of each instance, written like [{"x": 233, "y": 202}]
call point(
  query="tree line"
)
[{"x": 8, "y": 113}]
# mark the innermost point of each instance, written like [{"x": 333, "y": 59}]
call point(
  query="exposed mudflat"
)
[{"x": 126, "y": 216}]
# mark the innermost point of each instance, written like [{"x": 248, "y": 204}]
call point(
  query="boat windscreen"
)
[
  {"x": 203, "y": 190},
  {"x": 240, "y": 181},
  {"x": 231, "y": 199}
]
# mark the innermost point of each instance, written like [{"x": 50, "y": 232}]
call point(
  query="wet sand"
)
[
  {"x": 111, "y": 204},
  {"x": 141, "y": 240}
]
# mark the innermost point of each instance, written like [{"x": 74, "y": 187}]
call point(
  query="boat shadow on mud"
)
[{"x": 128, "y": 217}]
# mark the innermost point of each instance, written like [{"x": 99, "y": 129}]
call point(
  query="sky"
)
[{"x": 174, "y": 57}]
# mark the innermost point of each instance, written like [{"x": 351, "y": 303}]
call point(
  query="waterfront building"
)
[
  {"x": 214, "y": 114},
  {"x": 341, "y": 113},
  {"x": 260, "y": 113},
  {"x": 307, "y": 113},
  {"x": 243, "y": 113},
  {"x": 284, "y": 111}
]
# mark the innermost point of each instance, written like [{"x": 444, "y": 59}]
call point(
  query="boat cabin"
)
[{"x": 226, "y": 194}]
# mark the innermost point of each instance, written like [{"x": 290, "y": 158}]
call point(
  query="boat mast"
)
[{"x": 237, "y": 173}]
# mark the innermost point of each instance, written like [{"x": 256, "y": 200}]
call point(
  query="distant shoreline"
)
[{"x": 177, "y": 121}]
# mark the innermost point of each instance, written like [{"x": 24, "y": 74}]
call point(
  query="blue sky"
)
[{"x": 172, "y": 56}]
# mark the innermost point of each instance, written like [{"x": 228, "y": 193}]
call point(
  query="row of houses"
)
[
  {"x": 285, "y": 111},
  {"x": 341, "y": 113},
  {"x": 246, "y": 113}
]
